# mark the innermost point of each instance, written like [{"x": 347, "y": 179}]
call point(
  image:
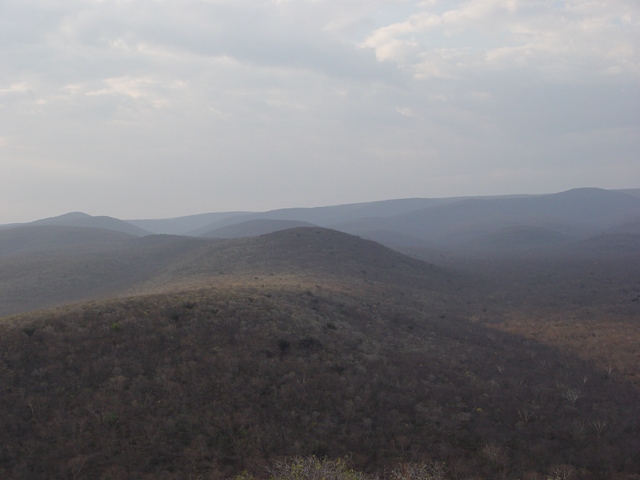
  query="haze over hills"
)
[
  {"x": 253, "y": 228},
  {"x": 79, "y": 219},
  {"x": 332, "y": 215},
  {"x": 557, "y": 225},
  {"x": 631, "y": 191},
  {"x": 499, "y": 339},
  {"x": 577, "y": 213},
  {"x": 183, "y": 225},
  {"x": 509, "y": 224},
  {"x": 33, "y": 238},
  {"x": 102, "y": 258},
  {"x": 216, "y": 356},
  {"x": 464, "y": 223},
  {"x": 48, "y": 277},
  {"x": 460, "y": 223},
  {"x": 55, "y": 276}
]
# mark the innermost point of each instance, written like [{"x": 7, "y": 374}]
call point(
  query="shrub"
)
[
  {"x": 312, "y": 468},
  {"x": 418, "y": 471}
]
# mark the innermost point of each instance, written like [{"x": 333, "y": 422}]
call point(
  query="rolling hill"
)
[
  {"x": 579, "y": 213},
  {"x": 54, "y": 276},
  {"x": 459, "y": 223},
  {"x": 504, "y": 345},
  {"x": 25, "y": 239},
  {"x": 184, "y": 225},
  {"x": 78, "y": 219},
  {"x": 328, "y": 216},
  {"x": 158, "y": 263},
  {"x": 253, "y": 228},
  {"x": 219, "y": 380}
]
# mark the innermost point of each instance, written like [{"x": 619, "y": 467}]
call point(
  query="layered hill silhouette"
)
[
  {"x": 39, "y": 238},
  {"x": 574, "y": 214},
  {"x": 79, "y": 219},
  {"x": 503, "y": 223},
  {"x": 187, "y": 225},
  {"x": 253, "y": 228},
  {"x": 498, "y": 340},
  {"x": 76, "y": 264}
]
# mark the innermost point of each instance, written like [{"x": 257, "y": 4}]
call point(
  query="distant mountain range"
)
[
  {"x": 483, "y": 224},
  {"x": 78, "y": 219},
  {"x": 76, "y": 256}
]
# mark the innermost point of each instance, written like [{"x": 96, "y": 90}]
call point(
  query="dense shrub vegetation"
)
[{"x": 212, "y": 383}]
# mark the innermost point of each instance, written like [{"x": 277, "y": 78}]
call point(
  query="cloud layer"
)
[{"x": 141, "y": 108}]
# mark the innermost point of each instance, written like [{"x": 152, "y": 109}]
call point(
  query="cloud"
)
[
  {"x": 558, "y": 41},
  {"x": 267, "y": 33},
  {"x": 263, "y": 103},
  {"x": 15, "y": 88}
]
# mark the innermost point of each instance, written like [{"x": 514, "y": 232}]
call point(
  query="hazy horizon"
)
[
  {"x": 198, "y": 213},
  {"x": 146, "y": 109}
]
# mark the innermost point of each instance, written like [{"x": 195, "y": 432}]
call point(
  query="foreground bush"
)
[{"x": 313, "y": 468}]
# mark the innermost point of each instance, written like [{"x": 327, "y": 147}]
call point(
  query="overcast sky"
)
[{"x": 161, "y": 108}]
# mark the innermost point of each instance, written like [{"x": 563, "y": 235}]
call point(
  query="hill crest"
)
[{"x": 79, "y": 219}]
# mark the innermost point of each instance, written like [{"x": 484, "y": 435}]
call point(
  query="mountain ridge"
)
[
  {"x": 156, "y": 263},
  {"x": 80, "y": 219},
  {"x": 578, "y": 212},
  {"x": 509, "y": 354}
]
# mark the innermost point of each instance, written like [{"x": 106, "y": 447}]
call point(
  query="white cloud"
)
[
  {"x": 15, "y": 88},
  {"x": 406, "y": 111},
  {"x": 263, "y": 103},
  {"x": 558, "y": 41}
]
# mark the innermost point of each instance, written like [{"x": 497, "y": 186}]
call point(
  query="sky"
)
[{"x": 162, "y": 108}]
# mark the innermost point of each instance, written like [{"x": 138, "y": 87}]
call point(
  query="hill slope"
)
[
  {"x": 462, "y": 222},
  {"x": 331, "y": 215},
  {"x": 576, "y": 213},
  {"x": 78, "y": 219},
  {"x": 304, "y": 341},
  {"x": 25, "y": 239},
  {"x": 41, "y": 278},
  {"x": 166, "y": 263},
  {"x": 253, "y": 228},
  {"x": 183, "y": 225},
  {"x": 212, "y": 382}
]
